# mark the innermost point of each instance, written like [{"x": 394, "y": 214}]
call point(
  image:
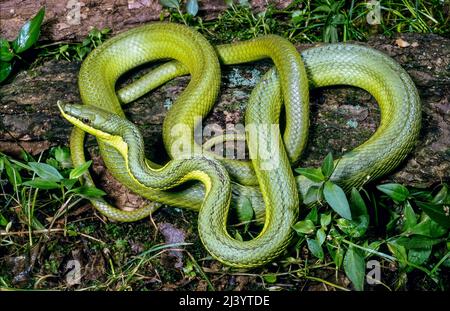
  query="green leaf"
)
[
  {"x": 174, "y": 4},
  {"x": 270, "y": 278},
  {"x": 355, "y": 267},
  {"x": 314, "y": 174},
  {"x": 13, "y": 174},
  {"x": 325, "y": 220},
  {"x": 42, "y": 184},
  {"x": 90, "y": 192},
  {"x": 245, "y": 210},
  {"x": 238, "y": 236},
  {"x": 357, "y": 205},
  {"x": 375, "y": 245},
  {"x": 335, "y": 197},
  {"x": 428, "y": 227},
  {"x": 86, "y": 42},
  {"x": 62, "y": 155},
  {"x": 297, "y": 17},
  {"x": 6, "y": 53},
  {"x": 320, "y": 236},
  {"x": 335, "y": 234},
  {"x": 327, "y": 165},
  {"x": 29, "y": 33},
  {"x": 5, "y": 70},
  {"x": 3, "y": 221},
  {"x": 304, "y": 227},
  {"x": 45, "y": 171},
  {"x": 410, "y": 217},
  {"x": 26, "y": 156},
  {"x": 420, "y": 195},
  {"x": 355, "y": 228},
  {"x": 392, "y": 220},
  {"x": 440, "y": 213},
  {"x": 417, "y": 241},
  {"x": 36, "y": 224},
  {"x": 105, "y": 31},
  {"x": 95, "y": 33},
  {"x": 52, "y": 162},
  {"x": 71, "y": 232},
  {"x": 315, "y": 248},
  {"x": 68, "y": 183},
  {"x": 313, "y": 215},
  {"x": 396, "y": 192},
  {"x": 313, "y": 194},
  {"x": 399, "y": 253},
  {"x": 21, "y": 165},
  {"x": 192, "y": 7},
  {"x": 244, "y": 3},
  {"x": 82, "y": 52},
  {"x": 419, "y": 256},
  {"x": 322, "y": 8},
  {"x": 337, "y": 5},
  {"x": 79, "y": 170},
  {"x": 442, "y": 197},
  {"x": 338, "y": 19},
  {"x": 337, "y": 253}
]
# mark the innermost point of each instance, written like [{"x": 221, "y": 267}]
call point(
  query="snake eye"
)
[{"x": 86, "y": 120}]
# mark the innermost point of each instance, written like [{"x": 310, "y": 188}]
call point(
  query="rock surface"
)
[{"x": 341, "y": 118}]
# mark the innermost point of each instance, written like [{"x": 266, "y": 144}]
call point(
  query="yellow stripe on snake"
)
[{"x": 275, "y": 194}]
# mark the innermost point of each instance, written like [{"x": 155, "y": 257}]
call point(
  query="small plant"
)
[
  {"x": 75, "y": 51},
  {"x": 413, "y": 239},
  {"x": 27, "y": 37},
  {"x": 415, "y": 16},
  {"x": 332, "y": 17},
  {"x": 245, "y": 214},
  {"x": 191, "y": 8},
  {"x": 239, "y": 22},
  {"x": 28, "y": 186}
]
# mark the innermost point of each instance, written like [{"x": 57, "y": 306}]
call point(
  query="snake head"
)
[
  {"x": 92, "y": 120},
  {"x": 103, "y": 124}
]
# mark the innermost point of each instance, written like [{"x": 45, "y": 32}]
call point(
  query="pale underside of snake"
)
[{"x": 275, "y": 194}]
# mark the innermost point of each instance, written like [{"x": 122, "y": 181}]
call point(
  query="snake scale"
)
[{"x": 275, "y": 194}]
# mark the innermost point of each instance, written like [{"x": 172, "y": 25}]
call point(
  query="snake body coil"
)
[{"x": 274, "y": 193}]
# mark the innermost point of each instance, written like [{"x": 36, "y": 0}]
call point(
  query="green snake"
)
[{"x": 275, "y": 194}]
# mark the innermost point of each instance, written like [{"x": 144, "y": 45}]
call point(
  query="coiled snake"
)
[{"x": 274, "y": 192}]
